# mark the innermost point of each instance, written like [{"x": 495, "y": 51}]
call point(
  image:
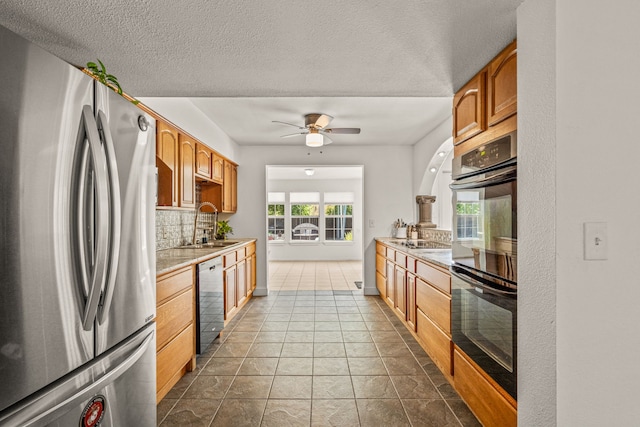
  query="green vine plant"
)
[{"x": 99, "y": 71}]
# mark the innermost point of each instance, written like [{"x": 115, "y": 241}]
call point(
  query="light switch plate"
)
[
  {"x": 372, "y": 223},
  {"x": 595, "y": 241}
]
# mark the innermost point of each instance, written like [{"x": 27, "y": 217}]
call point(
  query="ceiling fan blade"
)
[
  {"x": 342, "y": 130},
  {"x": 323, "y": 120},
  {"x": 325, "y": 138},
  {"x": 294, "y": 134},
  {"x": 285, "y": 123}
]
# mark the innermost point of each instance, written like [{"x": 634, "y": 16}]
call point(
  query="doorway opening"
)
[{"x": 314, "y": 228}]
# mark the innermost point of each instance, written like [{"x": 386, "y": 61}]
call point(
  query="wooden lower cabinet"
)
[
  {"x": 241, "y": 282},
  {"x": 381, "y": 284},
  {"x": 239, "y": 278},
  {"x": 400, "y": 301},
  {"x": 390, "y": 293},
  {"x": 434, "y": 304},
  {"x": 486, "y": 402},
  {"x": 411, "y": 301},
  {"x": 175, "y": 338},
  {"x": 436, "y": 343},
  {"x": 230, "y": 298},
  {"x": 170, "y": 361}
]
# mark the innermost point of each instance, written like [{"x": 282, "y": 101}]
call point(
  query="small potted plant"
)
[{"x": 223, "y": 229}]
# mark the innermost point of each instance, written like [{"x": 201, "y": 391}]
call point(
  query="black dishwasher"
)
[{"x": 210, "y": 307}]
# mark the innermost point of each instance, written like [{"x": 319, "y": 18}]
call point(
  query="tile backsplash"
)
[
  {"x": 434, "y": 234},
  {"x": 175, "y": 227}
]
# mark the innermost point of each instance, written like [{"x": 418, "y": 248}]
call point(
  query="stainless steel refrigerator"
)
[{"x": 77, "y": 247}]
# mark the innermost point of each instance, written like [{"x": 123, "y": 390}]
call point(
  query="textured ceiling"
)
[{"x": 266, "y": 49}]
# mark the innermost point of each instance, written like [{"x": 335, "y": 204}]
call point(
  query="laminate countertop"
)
[
  {"x": 439, "y": 257},
  {"x": 171, "y": 259}
]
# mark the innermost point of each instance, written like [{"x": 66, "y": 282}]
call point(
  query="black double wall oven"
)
[{"x": 484, "y": 272}]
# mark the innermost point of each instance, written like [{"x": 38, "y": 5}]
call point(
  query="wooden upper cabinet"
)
[
  {"x": 167, "y": 161},
  {"x": 229, "y": 190},
  {"x": 217, "y": 168},
  {"x": 187, "y": 177},
  {"x": 204, "y": 157},
  {"x": 469, "y": 109},
  {"x": 502, "y": 85}
]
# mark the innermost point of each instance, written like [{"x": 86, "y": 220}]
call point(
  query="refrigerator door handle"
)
[
  {"x": 114, "y": 217},
  {"x": 99, "y": 273}
]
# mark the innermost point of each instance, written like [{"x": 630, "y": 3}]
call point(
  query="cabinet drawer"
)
[
  {"x": 437, "y": 343},
  {"x": 251, "y": 249},
  {"x": 230, "y": 259},
  {"x": 487, "y": 403},
  {"x": 173, "y": 283},
  {"x": 174, "y": 356},
  {"x": 381, "y": 249},
  {"x": 240, "y": 254},
  {"x": 435, "y": 304},
  {"x": 411, "y": 265},
  {"x": 391, "y": 254},
  {"x": 438, "y": 278},
  {"x": 173, "y": 316},
  {"x": 380, "y": 264},
  {"x": 401, "y": 259}
]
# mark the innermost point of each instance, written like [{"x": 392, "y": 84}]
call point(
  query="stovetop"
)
[{"x": 426, "y": 244}]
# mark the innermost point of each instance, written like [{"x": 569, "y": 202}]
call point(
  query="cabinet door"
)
[
  {"x": 401, "y": 291},
  {"x": 391, "y": 288},
  {"x": 381, "y": 284},
  {"x": 241, "y": 281},
  {"x": 502, "y": 96},
  {"x": 203, "y": 161},
  {"x": 469, "y": 109},
  {"x": 167, "y": 160},
  {"x": 217, "y": 168},
  {"x": 411, "y": 300},
  {"x": 229, "y": 192},
  {"x": 187, "y": 177},
  {"x": 251, "y": 273},
  {"x": 234, "y": 188},
  {"x": 230, "y": 304}
]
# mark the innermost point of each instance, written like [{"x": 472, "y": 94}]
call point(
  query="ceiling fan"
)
[{"x": 316, "y": 131}]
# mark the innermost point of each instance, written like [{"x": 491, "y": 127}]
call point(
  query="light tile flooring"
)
[
  {"x": 316, "y": 275},
  {"x": 314, "y": 358}
]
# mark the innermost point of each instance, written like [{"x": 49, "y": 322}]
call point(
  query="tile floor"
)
[
  {"x": 314, "y": 358},
  {"x": 316, "y": 275}
]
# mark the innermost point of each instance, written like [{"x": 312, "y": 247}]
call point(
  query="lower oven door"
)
[{"x": 484, "y": 324}]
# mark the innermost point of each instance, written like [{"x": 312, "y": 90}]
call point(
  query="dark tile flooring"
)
[{"x": 314, "y": 358}]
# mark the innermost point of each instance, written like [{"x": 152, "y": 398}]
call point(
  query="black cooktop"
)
[{"x": 426, "y": 244}]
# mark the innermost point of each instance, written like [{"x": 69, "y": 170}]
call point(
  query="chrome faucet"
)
[{"x": 214, "y": 228}]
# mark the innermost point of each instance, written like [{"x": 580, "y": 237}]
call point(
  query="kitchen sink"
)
[{"x": 214, "y": 244}]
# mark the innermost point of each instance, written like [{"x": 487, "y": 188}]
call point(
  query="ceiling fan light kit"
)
[
  {"x": 314, "y": 139},
  {"x": 315, "y": 129}
]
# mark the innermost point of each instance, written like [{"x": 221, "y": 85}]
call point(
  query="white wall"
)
[
  {"x": 577, "y": 99},
  {"x": 183, "y": 113},
  {"x": 387, "y": 192},
  {"x": 320, "y": 251},
  {"x": 442, "y": 210},
  {"x": 537, "y": 214},
  {"x": 423, "y": 180}
]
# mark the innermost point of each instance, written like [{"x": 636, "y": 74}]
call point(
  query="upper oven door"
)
[{"x": 484, "y": 235}]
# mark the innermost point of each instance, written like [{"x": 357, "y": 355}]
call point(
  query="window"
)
[
  {"x": 275, "y": 216},
  {"x": 338, "y": 216},
  {"x": 468, "y": 215},
  {"x": 305, "y": 216}
]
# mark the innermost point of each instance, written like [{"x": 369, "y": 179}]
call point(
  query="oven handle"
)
[
  {"x": 501, "y": 178},
  {"x": 481, "y": 285}
]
